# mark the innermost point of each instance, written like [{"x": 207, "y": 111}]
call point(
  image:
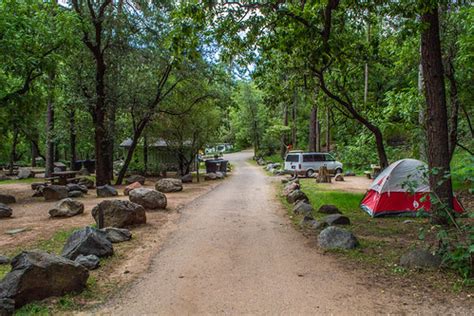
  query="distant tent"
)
[{"x": 401, "y": 189}]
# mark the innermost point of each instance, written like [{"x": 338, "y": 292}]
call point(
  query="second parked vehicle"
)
[{"x": 308, "y": 163}]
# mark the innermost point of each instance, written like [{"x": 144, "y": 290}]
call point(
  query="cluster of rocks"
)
[
  {"x": 331, "y": 237},
  {"x": 58, "y": 192},
  {"x": 214, "y": 176},
  {"x": 36, "y": 275},
  {"x": 274, "y": 168}
]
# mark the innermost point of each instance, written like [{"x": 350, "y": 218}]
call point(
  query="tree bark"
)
[
  {"x": 72, "y": 137},
  {"x": 313, "y": 129},
  {"x": 49, "y": 164},
  {"x": 284, "y": 136},
  {"x": 13, "y": 151},
  {"x": 145, "y": 154},
  {"x": 293, "y": 121},
  {"x": 328, "y": 130},
  {"x": 437, "y": 129}
]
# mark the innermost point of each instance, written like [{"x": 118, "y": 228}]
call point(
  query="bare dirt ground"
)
[
  {"x": 234, "y": 252},
  {"x": 32, "y": 213}
]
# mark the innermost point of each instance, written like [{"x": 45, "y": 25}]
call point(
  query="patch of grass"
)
[
  {"x": 4, "y": 269},
  {"x": 15, "y": 181},
  {"x": 56, "y": 242},
  {"x": 462, "y": 170},
  {"x": 33, "y": 309}
]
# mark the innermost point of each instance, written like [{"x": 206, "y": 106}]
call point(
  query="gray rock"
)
[
  {"x": 7, "y": 199},
  {"x": 7, "y": 306},
  {"x": 67, "y": 208},
  {"x": 210, "y": 176},
  {"x": 39, "y": 191},
  {"x": 77, "y": 187},
  {"x": 106, "y": 191},
  {"x": 4, "y": 259},
  {"x": 36, "y": 275},
  {"x": 88, "y": 183},
  {"x": 284, "y": 181},
  {"x": 5, "y": 211},
  {"x": 290, "y": 187},
  {"x": 187, "y": 178},
  {"x": 349, "y": 174},
  {"x": 90, "y": 262},
  {"x": 55, "y": 192},
  {"x": 119, "y": 213},
  {"x": 219, "y": 175},
  {"x": 36, "y": 185},
  {"x": 337, "y": 219},
  {"x": 167, "y": 185},
  {"x": 130, "y": 187},
  {"x": 87, "y": 241},
  {"x": 317, "y": 224},
  {"x": 148, "y": 198},
  {"x": 135, "y": 178},
  {"x": 337, "y": 238},
  {"x": 339, "y": 177},
  {"x": 295, "y": 196},
  {"x": 116, "y": 235},
  {"x": 25, "y": 173},
  {"x": 307, "y": 221},
  {"x": 303, "y": 208},
  {"x": 75, "y": 194},
  {"x": 408, "y": 221},
  {"x": 420, "y": 258},
  {"x": 329, "y": 209}
]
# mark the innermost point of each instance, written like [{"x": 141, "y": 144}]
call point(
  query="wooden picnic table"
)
[{"x": 64, "y": 176}]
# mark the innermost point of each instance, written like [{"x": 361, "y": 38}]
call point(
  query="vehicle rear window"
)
[{"x": 292, "y": 158}]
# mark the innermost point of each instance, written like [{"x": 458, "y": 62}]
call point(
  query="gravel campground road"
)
[{"x": 235, "y": 252}]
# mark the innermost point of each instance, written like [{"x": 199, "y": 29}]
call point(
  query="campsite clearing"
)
[{"x": 383, "y": 240}]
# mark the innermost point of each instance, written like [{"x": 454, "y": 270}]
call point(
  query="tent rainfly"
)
[{"x": 401, "y": 189}]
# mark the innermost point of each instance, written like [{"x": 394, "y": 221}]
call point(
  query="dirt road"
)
[{"x": 234, "y": 252}]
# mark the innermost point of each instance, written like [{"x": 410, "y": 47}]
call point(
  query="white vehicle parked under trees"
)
[{"x": 308, "y": 163}]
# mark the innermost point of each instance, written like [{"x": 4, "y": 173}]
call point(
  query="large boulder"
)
[
  {"x": 167, "y": 185},
  {"x": 148, "y": 198},
  {"x": 77, "y": 187},
  {"x": 25, "y": 173},
  {"x": 337, "y": 219},
  {"x": 130, "y": 187},
  {"x": 116, "y": 235},
  {"x": 75, "y": 194},
  {"x": 295, "y": 196},
  {"x": 303, "y": 208},
  {"x": 90, "y": 262},
  {"x": 36, "y": 275},
  {"x": 5, "y": 211},
  {"x": 135, "y": 178},
  {"x": 420, "y": 258},
  {"x": 119, "y": 213},
  {"x": 67, "y": 208},
  {"x": 187, "y": 178},
  {"x": 106, "y": 191},
  {"x": 55, "y": 192},
  {"x": 7, "y": 199},
  {"x": 87, "y": 241},
  {"x": 337, "y": 238},
  {"x": 329, "y": 209},
  {"x": 88, "y": 183}
]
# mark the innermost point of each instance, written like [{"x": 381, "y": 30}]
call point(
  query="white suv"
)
[{"x": 309, "y": 163}]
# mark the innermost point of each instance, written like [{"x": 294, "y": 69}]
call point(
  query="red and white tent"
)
[{"x": 389, "y": 194}]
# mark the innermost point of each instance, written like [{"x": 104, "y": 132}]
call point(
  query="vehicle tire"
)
[
  {"x": 338, "y": 170},
  {"x": 309, "y": 173}
]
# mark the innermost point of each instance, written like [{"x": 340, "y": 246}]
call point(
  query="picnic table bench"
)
[{"x": 63, "y": 177}]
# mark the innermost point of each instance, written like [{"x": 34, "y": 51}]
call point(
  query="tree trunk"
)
[
  {"x": 136, "y": 137},
  {"x": 437, "y": 129},
  {"x": 422, "y": 115},
  {"x": 13, "y": 151},
  {"x": 293, "y": 121},
  {"x": 72, "y": 137},
  {"x": 328, "y": 130},
  {"x": 111, "y": 111},
  {"x": 49, "y": 165},
  {"x": 145, "y": 154},
  {"x": 284, "y": 136},
  {"x": 313, "y": 129}
]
